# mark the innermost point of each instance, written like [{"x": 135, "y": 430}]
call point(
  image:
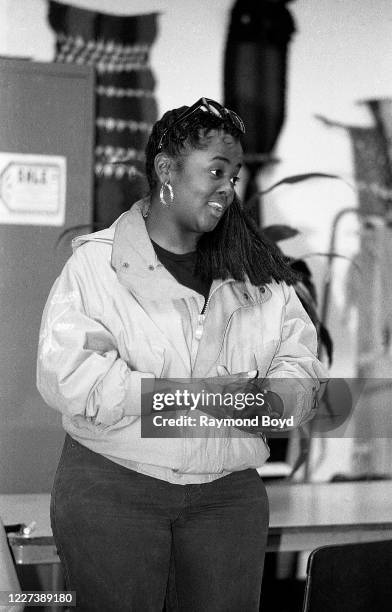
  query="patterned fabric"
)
[
  {"x": 255, "y": 71},
  {"x": 118, "y": 47},
  {"x": 255, "y": 82},
  {"x": 371, "y": 168}
]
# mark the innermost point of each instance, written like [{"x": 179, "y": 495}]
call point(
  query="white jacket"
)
[{"x": 115, "y": 316}]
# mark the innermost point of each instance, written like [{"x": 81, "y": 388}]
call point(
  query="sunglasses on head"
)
[{"x": 207, "y": 106}]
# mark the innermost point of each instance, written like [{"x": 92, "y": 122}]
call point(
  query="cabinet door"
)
[{"x": 45, "y": 109}]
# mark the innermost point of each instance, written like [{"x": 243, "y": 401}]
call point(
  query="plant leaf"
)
[
  {"x": 279, "y": 232},
  {"x": 298, "y": 178}
]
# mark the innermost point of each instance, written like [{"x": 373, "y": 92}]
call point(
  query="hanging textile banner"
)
[
  {"x": 371, "y": 169},
  {"x": 119, "y": 49},
  {"x": 255, "y": 70}
]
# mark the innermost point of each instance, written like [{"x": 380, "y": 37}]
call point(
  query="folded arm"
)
[
  {"x": 79, "y": 371},
  {"x": 295, "y": 373}
]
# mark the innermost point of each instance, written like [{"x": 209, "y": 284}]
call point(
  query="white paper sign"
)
[{"x": 32, "y": 189}]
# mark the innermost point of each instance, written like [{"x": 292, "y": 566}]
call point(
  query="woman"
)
[{"x": 181, "y": 286}]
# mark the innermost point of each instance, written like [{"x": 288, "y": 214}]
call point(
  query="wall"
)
[
  {"x": 187, "y": 56},
  {"x": 341, "y": 53}
]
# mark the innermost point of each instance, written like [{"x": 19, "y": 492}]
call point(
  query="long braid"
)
[{"x": 237, "y": 248}]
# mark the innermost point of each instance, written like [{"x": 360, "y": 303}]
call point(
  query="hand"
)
[
  {"x": 234, "y": 388},
  {"x": 272, "y": 405},
  {"x": 239, "y": 382}
]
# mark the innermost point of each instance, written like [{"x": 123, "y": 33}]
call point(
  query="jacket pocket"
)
[
  {"x": 245, "y": 452},
  {"x": 248, "y": 343}
]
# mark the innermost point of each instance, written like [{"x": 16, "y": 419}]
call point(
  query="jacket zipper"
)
[{"x": 202, "y": 316}]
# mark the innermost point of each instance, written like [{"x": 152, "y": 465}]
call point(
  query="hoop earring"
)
[{"x": 162, "y": 193}]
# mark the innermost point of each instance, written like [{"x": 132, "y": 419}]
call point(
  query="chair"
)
[
  {"x": 8, "y": 577},
  {"x": 350, "y": 578}
]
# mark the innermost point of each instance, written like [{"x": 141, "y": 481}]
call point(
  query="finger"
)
[
  {"x": 223, "y": 371},
  {"x": 249, "y": 374}
]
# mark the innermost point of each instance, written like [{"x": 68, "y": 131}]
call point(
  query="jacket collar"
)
[{"x": 139, "y": 270}]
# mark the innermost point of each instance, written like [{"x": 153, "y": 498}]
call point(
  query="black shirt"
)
[{"x": 182, "y": 267}]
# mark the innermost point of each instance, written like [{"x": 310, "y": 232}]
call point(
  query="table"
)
[
  {"x": 302, "y": 517},
  {"x": 305, "y": 516},
  {"x": 27, "y": 508}
]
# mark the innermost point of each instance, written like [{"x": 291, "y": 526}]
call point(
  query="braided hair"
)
[{"x": 236, "y": 247}]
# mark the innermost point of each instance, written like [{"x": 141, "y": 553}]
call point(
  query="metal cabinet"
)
[{"x": 45, "y": 110}]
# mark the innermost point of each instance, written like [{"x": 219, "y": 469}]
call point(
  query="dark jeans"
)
[{"x": 128, "y": 541}]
